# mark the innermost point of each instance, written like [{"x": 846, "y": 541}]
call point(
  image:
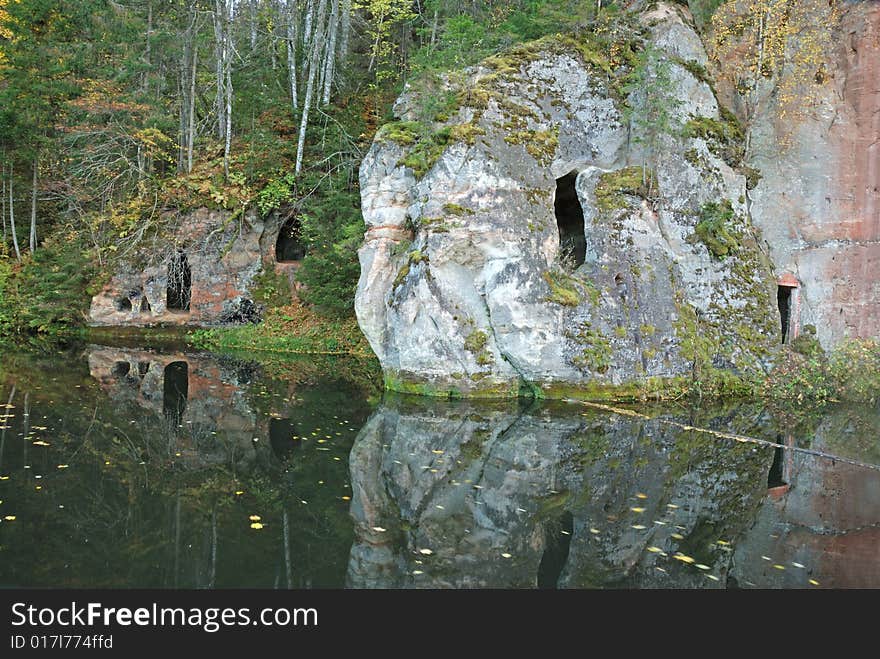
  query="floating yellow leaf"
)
[
  {"x": 677, "y": 536},
  {"x": 346, "y": 498},
  {"x": 639, "y": 527},
  {"x": 257, "y": 526},
  {"x": 641, "y": 495},
  {"x": 417, "y": 572},
  {"x": 41, "y": 443},
  {"x": 594, "y": 531},
  {"x": 637, "y": 510},
  {"x": 238, "y": 493},
  {"x": 723, "y": 543},
  {"x": 4, "y": 478},
  {"x": 10, "y": 518},
  {"x": 797, "y": 565},
  {"x": 683, "y": 558},
  {"x": 437, "y": 451},
  {"x": 255, "y": 518},
  {"x": 671, "y": 505},
  {"x": 63, "y": 466},
  {"x": 814, "y": 582},
  {"x": 655, "y": 550},
  {"x": 712, "y": 577},
  {"x": 702, "y": 566},
  {"x": 379, "y": 529},
  {"x": 778, "y": 566},
  {"x": 425, "y": 552},
  {"x": 506, "y": 555}
]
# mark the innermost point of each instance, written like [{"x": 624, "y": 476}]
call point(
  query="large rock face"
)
[
  {"x": 222, "y": 257},
  {"x": 818, "y": 203},
  {"x": 470, "y": 279}
]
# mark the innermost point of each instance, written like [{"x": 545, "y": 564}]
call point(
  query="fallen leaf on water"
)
[
  {"x": 63, "y": 466},
  {"x": 238, "y": 493},
  {"x": 671, "y": 505},
  {"x": 683, "y": 558},
  {"x": 798, "y": 565},
  {"x": 814, "y": 582},
  {"x": 417, "y": 572},
  {"x": 257, "y": 526},
  {"x": 641, "y": 495},
  {"x": 723, "y": 543},
  {"x": 766, "y": 558},
  {"x": 712, "y": 577},
  {"x": 655, "y": 550},
  {"x": 677, "y": 536},
  {"x": 41, "y": 443},
  {"x": 637, "y": 510},
  {"x": 379, "y": 529},
  {"x": 701, "y": 566},
  {"x": 10, "y": 518},
  {"x": 778, "y": 566},
  {"x": 437, "y": 452},
  {"x": 506, "y": 555},
  {"x": 255, "y": 518},
  {"x": 639, "y": 527},
  {"x": 346, "y": 498},
  {"x": 425, "y": 552},
  {"x": 594, "y": 531}
]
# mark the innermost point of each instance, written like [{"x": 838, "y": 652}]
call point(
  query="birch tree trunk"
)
[
  {"x": 219, "y": 39},
  {"x": 12, "y": 217},
  {"x": 345, "y": 29},
  {"x": 32, "y": 239},
  {"x": 292, "y": 36},
  {"x": 314, "y": 62},
  {"x": 191, "y": 130},
  {"x": 227, "y": 63},
  {"x": 330, "y": 61}
]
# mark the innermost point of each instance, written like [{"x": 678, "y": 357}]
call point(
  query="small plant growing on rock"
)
[{"x": 713, "y": 229}]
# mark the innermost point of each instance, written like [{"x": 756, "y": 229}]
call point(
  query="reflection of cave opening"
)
[
  {"x": 143, "y": 368},
  {"x": 570, "y": 221},
  {"x": 776, "y": 477},
  {"x": 124, "y": 304},
  {"x": 557, "y": 540},
  {"x": 290, "y": 246},
  {"x": 179, "y": 288},
  {"x": 281, "y": 432},
  {"x": 121, "y": 369},
  {"x": 145, "y": 305},
  {"x": 175, "y": 390}
]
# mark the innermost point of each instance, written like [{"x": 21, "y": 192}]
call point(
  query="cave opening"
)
[
  {"x": 123, "y": 304},
  {"x": 145, "y": 305},
  {"x": 776, "y": 476},
  {"x": 784, "y": 299},
  {"x": 179, "y": 290},
  {"x": 143, "y": 368},
  {"x": 290, "y": 248},
  {"x": 121, "y": 369},
  {"x": 175, "y": 390},
  {"x": 557, "y": 542},
  {"x": 570, "y": 222}
]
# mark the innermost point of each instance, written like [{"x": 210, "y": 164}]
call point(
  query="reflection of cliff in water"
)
[{"x": 457, "y": 495}]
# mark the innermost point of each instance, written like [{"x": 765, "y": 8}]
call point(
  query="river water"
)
[{"x": 124, "y": 467}]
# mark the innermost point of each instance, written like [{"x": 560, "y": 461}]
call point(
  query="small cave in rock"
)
[
  {"x": 776, "y": 475},
  {"x": 784, "y": 297},
  {"x": 123, "y": 304},
  {"x": 557, "y": 541},
  {"x": 145, "y": 306},
  {"x": 143, "y": 368},
  {"x": 175, "y": 390},
  {"x": 281, "y": 432},
  {"x": 121, "y": 369},
  {"x": 570, "y": 222},
  {"x": 179, "y": 290},
  {"x": 290, "y": 248}
]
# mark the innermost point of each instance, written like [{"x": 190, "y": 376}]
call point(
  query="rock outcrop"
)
[
  {"x": 527, "y": 241},
  {"x": 818, "y": 202}
]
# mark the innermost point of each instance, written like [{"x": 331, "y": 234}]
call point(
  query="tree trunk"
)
[
  {"x": 191, "y": 130},
  {"x": 12, "y": 217},
  {"x": 330, "y": 61},
  {"x": 314, "y": 63},
  {"x": 219, "y": 37},
  {"x": 32, "y": 239},
  {"x": 292, "y": 35},
  {"x": 3, "y": 204},
  {"x": 345, "y": 29},
  {"x": 227, "y": 63}
]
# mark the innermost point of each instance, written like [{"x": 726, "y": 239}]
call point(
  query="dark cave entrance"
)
[
  {"x": 290, "y": 248},
  {"x": 175, "y": 391},
  {"x": 557, "y": 542},
  {"x": 570, "y": 221},
  {"x": 776, "y": 476},
  {"x": 179, "y": 289},
  {"x": 785, "y": 296}
]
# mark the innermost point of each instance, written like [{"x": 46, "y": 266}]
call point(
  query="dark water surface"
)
[{"x": 126, "y": 467}]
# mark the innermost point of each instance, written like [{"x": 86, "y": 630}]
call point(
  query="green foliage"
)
[
  {"x": 613, "y": 188},
  {"x": 724, "y": 137},
  {"x": 714, "y": 230},
  {"x": 271, "y": 288},
  {"x": 278, "y": 191}
]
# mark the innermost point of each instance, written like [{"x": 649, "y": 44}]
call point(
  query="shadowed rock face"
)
[
  {"x": 459, "y": 495},
  {"x": 818, "y": 203},
  {"x": 464, "y": 283}
]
